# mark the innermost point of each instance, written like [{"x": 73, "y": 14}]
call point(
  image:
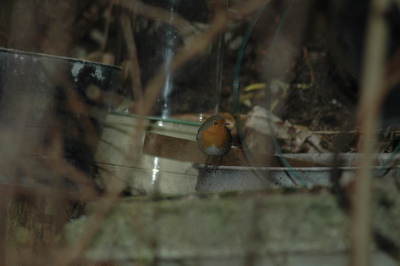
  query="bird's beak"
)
[{"x": 226, "y": 124}]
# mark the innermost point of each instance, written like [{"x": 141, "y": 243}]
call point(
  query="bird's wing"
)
[{"x": 198, "y": 134}]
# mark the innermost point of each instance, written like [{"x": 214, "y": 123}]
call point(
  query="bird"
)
[{"x": 214, "y": 138}]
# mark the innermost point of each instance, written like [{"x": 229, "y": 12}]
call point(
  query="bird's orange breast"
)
[{"x": 216, "y": 136}]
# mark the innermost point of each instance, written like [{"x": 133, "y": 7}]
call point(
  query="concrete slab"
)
[{"x": 296, "y": 229}]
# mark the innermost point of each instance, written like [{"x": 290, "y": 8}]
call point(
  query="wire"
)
[
  {"x": 278, "y": 149},
  {"x": 236, "y": 79}
]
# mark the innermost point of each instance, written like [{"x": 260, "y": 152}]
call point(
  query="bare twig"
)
[
  {"x": 107, "y": 25},
  {"x": 132, "y": 64},
  {"x": 371, "y": 93},
  {"x": 74, "y": 252}
]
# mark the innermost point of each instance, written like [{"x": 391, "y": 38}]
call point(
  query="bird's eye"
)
[{"x": 215, "y": 123}]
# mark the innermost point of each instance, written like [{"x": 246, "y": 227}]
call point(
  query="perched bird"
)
[{"x": 214, "y": 138}]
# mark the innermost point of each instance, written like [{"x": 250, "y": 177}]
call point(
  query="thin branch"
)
[
  {"x": 107, "y": 25},
  {"x": 132, "y": 64},
  {"x": 367, "y": 117}
]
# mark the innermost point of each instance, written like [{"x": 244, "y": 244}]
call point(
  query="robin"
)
[{"x": 214, "y": 138}]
